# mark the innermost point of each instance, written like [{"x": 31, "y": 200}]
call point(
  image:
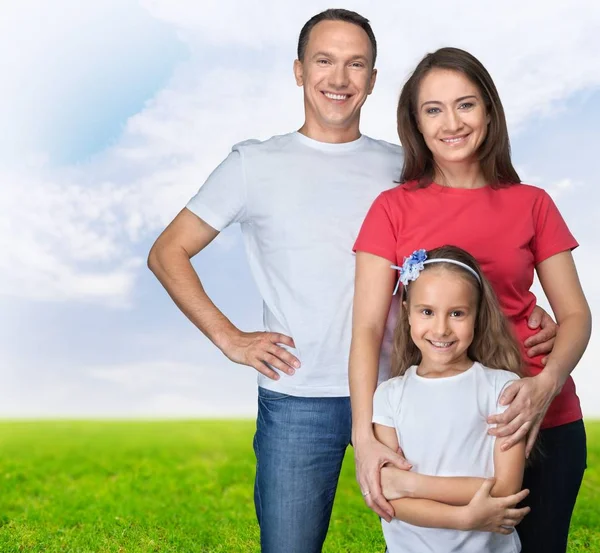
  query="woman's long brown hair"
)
[{"x": 494, "y": 152}]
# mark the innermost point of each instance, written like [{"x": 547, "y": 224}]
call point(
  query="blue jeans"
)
[{"x": 299, "y": 444}]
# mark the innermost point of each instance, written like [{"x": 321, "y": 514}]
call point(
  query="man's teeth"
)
[
  {"x": 441, "y": 344},
  {"x": 336, "y": 96}
]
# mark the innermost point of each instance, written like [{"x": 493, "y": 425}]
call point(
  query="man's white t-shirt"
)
[
  {"x": 300, "y": 204},
  {"x": 442, "y": 429}
]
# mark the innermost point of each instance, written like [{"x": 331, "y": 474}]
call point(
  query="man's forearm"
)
[{"x": 175, "y": 272}]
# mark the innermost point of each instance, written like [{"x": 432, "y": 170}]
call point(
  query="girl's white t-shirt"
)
[{"x": 442, "y": 429}]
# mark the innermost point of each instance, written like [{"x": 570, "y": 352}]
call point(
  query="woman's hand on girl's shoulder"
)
[{"x": 528, "y": 399}]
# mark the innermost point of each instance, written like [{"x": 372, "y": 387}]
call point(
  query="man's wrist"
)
[{"x": 222, "y": 337}]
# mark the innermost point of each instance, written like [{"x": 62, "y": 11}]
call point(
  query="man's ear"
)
[
  {"x": 372, "y": 81},
  {"x": 298, "y": 72}
]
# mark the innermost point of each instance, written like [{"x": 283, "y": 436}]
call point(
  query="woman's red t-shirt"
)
[{"x": 508, "y": 230}]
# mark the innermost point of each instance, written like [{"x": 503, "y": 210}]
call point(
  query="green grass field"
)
[{"x": 128, "y": 487}]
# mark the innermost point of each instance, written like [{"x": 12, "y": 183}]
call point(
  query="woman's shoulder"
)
[{"x": 523, "y": 190}]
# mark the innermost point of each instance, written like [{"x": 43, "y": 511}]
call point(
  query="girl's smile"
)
[{"x": 442, "y": 307}]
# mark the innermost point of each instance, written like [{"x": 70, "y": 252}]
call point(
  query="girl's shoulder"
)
[
  {"x": 394, "y": 385},
  {"x": 496, "y": 379}
]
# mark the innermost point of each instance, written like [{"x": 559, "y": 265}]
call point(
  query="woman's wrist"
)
[{"x": 552, "y": 379}]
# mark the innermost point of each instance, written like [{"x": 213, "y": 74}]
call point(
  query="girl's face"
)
[
  {"x": 451, "y": 116},
  {"x": 442, "y": 309}
]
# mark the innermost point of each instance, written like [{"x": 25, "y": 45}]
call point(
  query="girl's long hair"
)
[
  {"x": 494, "y": 152},
  {"x": 494, "y": 344}
]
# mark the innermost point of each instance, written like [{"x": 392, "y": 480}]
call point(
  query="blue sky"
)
[{"x": 119, "y": 110}]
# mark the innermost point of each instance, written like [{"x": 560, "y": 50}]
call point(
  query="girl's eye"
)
[
  {"x": 457, "y": 314},
  {"x": 427, "y": 312}
]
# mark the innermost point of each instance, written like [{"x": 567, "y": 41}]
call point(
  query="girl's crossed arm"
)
[{"x": 462, "y": 503}]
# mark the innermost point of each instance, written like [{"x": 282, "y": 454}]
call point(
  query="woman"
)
[{"x": 458, "y": 186}]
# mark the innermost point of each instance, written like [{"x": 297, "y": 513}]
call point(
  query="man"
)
[{"x": 300, "y": 199}]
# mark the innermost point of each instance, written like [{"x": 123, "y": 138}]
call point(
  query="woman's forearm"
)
[
  {"x": 363, "y": 370},
  {"x": 571, "y": 340}
]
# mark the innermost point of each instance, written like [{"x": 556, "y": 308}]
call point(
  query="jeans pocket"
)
[{"x": 270, "y": 395}]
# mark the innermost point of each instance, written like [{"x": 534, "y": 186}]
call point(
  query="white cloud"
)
[{"x": 76, "y": 229}]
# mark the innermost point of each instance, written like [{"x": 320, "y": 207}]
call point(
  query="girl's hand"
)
[
  {"x": 370, "y": 456},
  {"x": 396, "y": 483},
  {"x": 494, "y": 514},
  {"x": 529, "y": 400}
]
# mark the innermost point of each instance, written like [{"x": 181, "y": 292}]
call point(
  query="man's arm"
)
[
  {"x": 543, "y": 340},
  {"x": 169, "y": 260}
]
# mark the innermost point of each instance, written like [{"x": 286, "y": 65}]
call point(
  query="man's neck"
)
[{"x": 330, "y": 135}]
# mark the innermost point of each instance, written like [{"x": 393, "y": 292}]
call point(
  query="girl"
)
[
  {"x": 459, "y": 186},
  {"x": 452, "y": 345}
]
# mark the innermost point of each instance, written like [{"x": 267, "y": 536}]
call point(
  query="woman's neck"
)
[{"x": 459, "y": 175}]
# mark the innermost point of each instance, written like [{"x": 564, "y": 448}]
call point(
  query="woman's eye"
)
[
  {"x": 432, "y": 111},
  {"x": 466, "y": 105}
]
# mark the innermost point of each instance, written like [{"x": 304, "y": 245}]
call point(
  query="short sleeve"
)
[
  {"x": 502, "y": 381},
  {"x": 377, "y": 234},
  {"x": 221, "y": 200},
  {"x": 552, "y": 236},
  {"x": 382, "y": 406}
]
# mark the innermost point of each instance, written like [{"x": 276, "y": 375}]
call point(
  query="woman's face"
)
[{"x": 451, "y": 116}]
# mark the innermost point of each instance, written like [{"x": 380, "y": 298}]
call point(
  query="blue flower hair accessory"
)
[
  {"x": 412, "y": 266},
  {"x": 415, "y": 263}
]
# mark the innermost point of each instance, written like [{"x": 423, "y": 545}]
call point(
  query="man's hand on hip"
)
[{"x": 256, "y": 349}]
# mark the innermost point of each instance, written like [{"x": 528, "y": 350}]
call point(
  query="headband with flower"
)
[{"x": 415, "y": 263}]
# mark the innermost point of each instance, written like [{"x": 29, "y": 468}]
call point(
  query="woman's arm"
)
[
  {"x": 530, "y": 398},
  {"x": 373, "y": 288}
]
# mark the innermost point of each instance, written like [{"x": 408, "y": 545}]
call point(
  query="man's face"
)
[{"x": 336, "y": 74}]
